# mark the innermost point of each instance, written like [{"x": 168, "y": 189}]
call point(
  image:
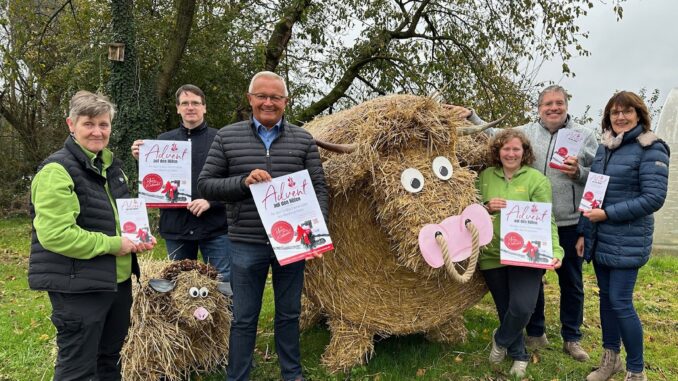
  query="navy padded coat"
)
[{"x": 638, "y": 170}]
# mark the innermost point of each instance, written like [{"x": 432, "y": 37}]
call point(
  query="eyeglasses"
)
[
  {"x": 192, "y": 104},
  {"x": 264, "y": 97},
  {"x": 627, "y": 113}
]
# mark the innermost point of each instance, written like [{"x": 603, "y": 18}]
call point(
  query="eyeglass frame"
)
[
  {"x": 272, "y": 98},
  {"x": 627, "y": 112},
  {"x": 191, "y": 103}
]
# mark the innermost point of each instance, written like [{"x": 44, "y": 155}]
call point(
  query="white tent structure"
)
[{"x": 666, "y": 220}]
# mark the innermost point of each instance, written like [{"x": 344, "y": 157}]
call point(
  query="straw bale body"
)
[
  {"x": 178, "y": 331},
  {"x": 376, "y": 282}
]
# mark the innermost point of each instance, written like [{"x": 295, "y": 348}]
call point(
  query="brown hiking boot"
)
[
  {"x": 575, "y": 350},
  {"x": 631, "y": 376},
  {"x": 610, "y": 364},
  {"x": 536, "y": 342}
]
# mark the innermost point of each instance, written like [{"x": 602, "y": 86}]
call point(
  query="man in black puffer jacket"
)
[
  {"x": 242, "y": 154},
  {"x": 202, "y": 224}
]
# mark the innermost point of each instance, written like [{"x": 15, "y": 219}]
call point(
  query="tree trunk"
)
[
  {"x": 280, "y": 37},
  {"x": 177, "y": 44}
]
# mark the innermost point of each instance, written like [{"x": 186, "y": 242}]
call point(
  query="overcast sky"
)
[{"x": 639, "y": 51}]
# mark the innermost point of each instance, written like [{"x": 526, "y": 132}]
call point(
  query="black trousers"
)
[
  {"x": 571, "y": 284},
  {"x": 91, "y": 329},
  {"x": 514, "y": 290}
]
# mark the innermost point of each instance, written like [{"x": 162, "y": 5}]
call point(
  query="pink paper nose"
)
[
  {"x": 456, "y": 235},
  {"x": 200, "y": 313}
]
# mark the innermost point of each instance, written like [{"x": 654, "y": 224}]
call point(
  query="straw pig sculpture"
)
[
  {"x": 376, "y": 282},
  {"x": 180, "y": 322}
]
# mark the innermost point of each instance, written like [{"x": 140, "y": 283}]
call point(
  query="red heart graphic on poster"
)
[
  {"x": 129, "y": 227},
  {"x": 282, "y": 232},
  {"x": 513, "y": 241},
  {"x": 152, "y": 182},
  {"x": 562, "y": 151},
  {"x": 588, "y": 196}
]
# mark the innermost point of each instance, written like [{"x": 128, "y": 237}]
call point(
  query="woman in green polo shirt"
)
[{"x": 513, "y": 288}]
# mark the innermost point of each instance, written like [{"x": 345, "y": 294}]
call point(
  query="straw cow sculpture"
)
[
  {"x": 376, "y": 281},
  {"x": 180, "y": 322}
]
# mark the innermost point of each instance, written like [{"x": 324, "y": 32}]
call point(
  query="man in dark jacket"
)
[
  {"x": 242, "y": 154},
  {"x": 77, "y": 253},
  {"x": 202, "y": 225}
]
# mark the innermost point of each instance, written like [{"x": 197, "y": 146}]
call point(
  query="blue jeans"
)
[
  {"x": 215, "y": 251},
  {"x": 514, "y": 290},
  {"x": 618, "y": 318},
  {"x": 571, "y": 284},
  {"x": 249, "y": 270}
]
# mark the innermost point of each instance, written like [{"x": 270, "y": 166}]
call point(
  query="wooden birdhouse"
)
[{"x": 116, "y": 51}]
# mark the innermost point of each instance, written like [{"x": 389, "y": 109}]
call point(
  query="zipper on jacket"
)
[
  {"x": 268, "y": 161},
  {"x": 72, "y": 276},
  {"x": 608, "y": 155},
  {"x": 549, "y": 154}
]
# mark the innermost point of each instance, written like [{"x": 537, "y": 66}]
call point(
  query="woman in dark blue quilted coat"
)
[{"x": 618, "y": 236}]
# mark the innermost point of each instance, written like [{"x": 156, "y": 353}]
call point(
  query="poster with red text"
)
[
  {"x": 525, "y": 230},
  {"x": 594, "y": 191},
  {"x": 165, "y": 173},
  {"x": 289, "y": 210},
  {"x": 568, "y": 143},
  {"x": 134, "y": 219}
]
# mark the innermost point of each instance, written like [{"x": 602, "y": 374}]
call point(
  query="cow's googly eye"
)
[
  {"x": 194, "y": 292},
  {"x": 204, "y": 292},
  {"x": 412, "y": 180},
  {"x": 442, "y": 168}
]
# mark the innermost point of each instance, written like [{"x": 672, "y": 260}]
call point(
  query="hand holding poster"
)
[
  {"x": 568, "y": 143},
  {"x": 289, "y": 210},
  {"x": 134, "y": 219},
  {"x": 594, "y": 191},
  {"x": 165, "y": 173},
  {"x": 525, "y": 230}
]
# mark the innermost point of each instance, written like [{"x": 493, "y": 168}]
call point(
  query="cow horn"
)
[
  {"x": 461, "y": 131},
  {"x": 335, "y": 147}
]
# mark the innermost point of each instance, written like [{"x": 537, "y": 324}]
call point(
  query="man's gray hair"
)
[
  {"x": 267, "y": 74},
  {"x": 553, "y": 89},
  {"x": 85, "y": 103}
]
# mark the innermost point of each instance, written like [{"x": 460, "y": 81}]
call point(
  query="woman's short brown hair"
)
[
  {"x": 627, "y": 99},
  {"x": 503, "y": 137}
]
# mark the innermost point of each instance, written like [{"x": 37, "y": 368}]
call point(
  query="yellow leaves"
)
[
  {"x": 421, "y": 372},
  {"x": 595, "y": 290},
  {"x": 535, "y": 358},
  {"x": 43, "y": 337},
  {"x": 458, "y": 359}
]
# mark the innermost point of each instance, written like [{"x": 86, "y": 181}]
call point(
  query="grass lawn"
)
[{"x": 27, "y": 336}]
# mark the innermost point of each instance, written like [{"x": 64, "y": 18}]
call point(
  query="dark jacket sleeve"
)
[
  {"x": 315, "y": 170},
  {"x": 214, "y": 182},
  {"x": 654, "y": 173}
]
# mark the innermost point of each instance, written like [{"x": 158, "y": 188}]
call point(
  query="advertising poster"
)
[
  {"x": 525, "y": 230},
  {"x": 165, "y": 173},
  {"x": 289, "y": 210},
  {"x": 134, "y": 219},
  {"x": 568, "y": 143},
  {"x": 594, "y": 191}
]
